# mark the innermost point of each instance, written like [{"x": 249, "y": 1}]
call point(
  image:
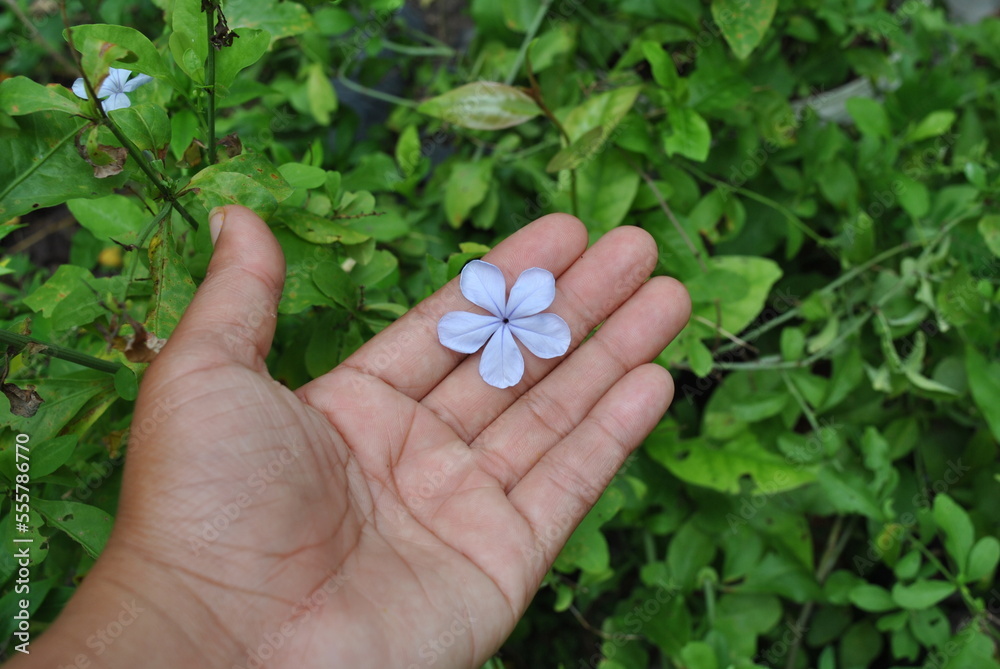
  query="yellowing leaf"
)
[{"x": 484, "y": 105}]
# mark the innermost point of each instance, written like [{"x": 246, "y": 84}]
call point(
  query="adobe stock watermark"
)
[
  {"x": 105, "y": 637},
  {"x": 750, "y": 505},
  {"x": 227, "y": 514},
  {"x": 273, "y": 641},
  {"x": 434, "y": 649},
  {"x": 897, "y": 531},
  {"x": 633, "y": 624}
]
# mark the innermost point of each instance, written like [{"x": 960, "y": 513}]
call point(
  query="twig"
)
[
  {"x": 726, "y": 333},
  {"x": 670, "y": 214},
  {"x": 54, "y": 351},
  {"x": 37, "y": 36},
  {"x": 835, "y": 545},
  {"x": 209, "y": 8},
  {"x": 136, "y": 155}
]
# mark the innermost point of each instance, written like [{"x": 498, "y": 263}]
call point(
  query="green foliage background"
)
[{"x": 825, "y": 491}]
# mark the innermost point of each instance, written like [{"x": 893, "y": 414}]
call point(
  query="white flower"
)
[
  {"x": 545, "y": 335},
  {"x": 114, "y": 88}
]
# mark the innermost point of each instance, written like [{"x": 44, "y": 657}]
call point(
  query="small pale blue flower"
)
[
  {"x": 114, "y": 88},
  {"x": 519, "y": 315}
]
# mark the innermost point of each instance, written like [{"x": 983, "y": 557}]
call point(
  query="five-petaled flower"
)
[
  {"x": 114, "y": 88},
  {"x": 545, "y": 335}
]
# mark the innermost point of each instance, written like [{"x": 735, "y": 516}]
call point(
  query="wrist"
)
[{"x": 131, "y": 613}]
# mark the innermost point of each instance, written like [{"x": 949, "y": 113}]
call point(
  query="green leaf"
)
[
  {"x": 147, "y": 59},
  {"x": 868, "y": 597},
  {"x": 20, "y": 95},
  {"x": 690, "y": 135},
  {"x": 146, "y": 125},
  {"x": 484, "y": 105},
  {"x": 586, "y": 548},
  {"x": 336, "y": 284},
  {"x": 67, "y": 278},
  {"x": 750, "y": 280},
  {"x": 64, "y": 397},
  {"x": 303, "y": 176},
  {"x": 408, "y": 150},
  {"x": 606, "y": 189},
  {"x": 698, "y": 655},
  {"x": 922, "y": 594},
  {"x": 244, "y": 52},
  {"x": 249, "y": 180},
  {"x": 51, "y": 454},
  {"x": 112, "y": 217},
  {"x": 173, "y": 287},
  {"x": 870, "y": 117},
  {"x": 280, "y": 19},
  {"x": 302, "y": 258},
  {"x": 956, "y": 525},
  {"x": 317, "y": 229},
  {"x": 743, "y": 24},
  {"x": 983, "y": 558},
  {"x": 382, "y": 264},
  {"x": 87, "y": 525},
  {"x": 40, "y": 167},
  {"x": 577, "y": 153},
  {"x": 690, "y": 550},
  {"x": 847, "y": 492},
  {"x": 518, "y": 14},
  {"x": 126, "y": 384},
  {"x": 989, "y": 228},
  {"x": 604, "y": 111},
  {"x": 664, "y": 69},
  {"x": 934, "y": 124},
  {"x": 984, "y": 383},
  {"x": 466, "y": 189},
  {"x": 321, "y": 94},
  {"x": 721, "y": 467},
  {"x": 187, "y": 42}
]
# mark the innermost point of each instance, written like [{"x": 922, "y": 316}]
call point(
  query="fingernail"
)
[{"x": 215, "y": 220}]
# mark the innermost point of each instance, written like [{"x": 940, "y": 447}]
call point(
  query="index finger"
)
[{"x": 408, "y": 356}]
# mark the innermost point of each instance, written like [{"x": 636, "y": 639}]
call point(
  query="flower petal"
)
[
  {"x": 116, "y": 101},
  {"x": 80, "y": 89},
  {"x": 532, "y": 293},
  {"x": 139, "y": 80},
  {"x": 502, "y": 364},
  {"x": 464, "y": 332},
  {"x": 114, "y": 82},
  {"x": 545, "y": 335},
  {"x": 483, "y": 284}
]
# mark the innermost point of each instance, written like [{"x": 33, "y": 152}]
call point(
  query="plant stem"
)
[
  {"x": 110, "y": 124},
  {"x": 777, "y": 206},
  {"x": 829, "y": 288},
  {"x": 51, "y": 350},
  {"x": 147, "y": 169},
  {"x": 536, "y": 24},
  {"x": 372, "y": 93},
  {"x": 210, "y": 79},
  {"x": 670, "y": 215},
  {"x": 835, "y": 545}
]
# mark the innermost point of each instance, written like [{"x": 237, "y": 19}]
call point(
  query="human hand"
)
[{"x": 396, "y": 512}]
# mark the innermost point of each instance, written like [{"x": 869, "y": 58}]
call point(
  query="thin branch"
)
[
  {"x": 37, "y": 36},
  {"x": 773, "y": 204},
  {"x": 53, "y": 351},
  {"x": 726, "y": 333},
  {"x": 209, "y": 8},
  {"x": 670, "y": 214},
  {"x": 136, "y": 155}
]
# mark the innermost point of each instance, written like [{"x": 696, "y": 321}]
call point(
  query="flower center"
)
[{"x": 506, "y": 320}]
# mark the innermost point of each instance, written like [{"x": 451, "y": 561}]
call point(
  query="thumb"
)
[{"x": 232, "y": 316}]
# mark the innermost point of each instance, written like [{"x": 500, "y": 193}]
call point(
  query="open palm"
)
[{"x": 398, "y": 511}]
